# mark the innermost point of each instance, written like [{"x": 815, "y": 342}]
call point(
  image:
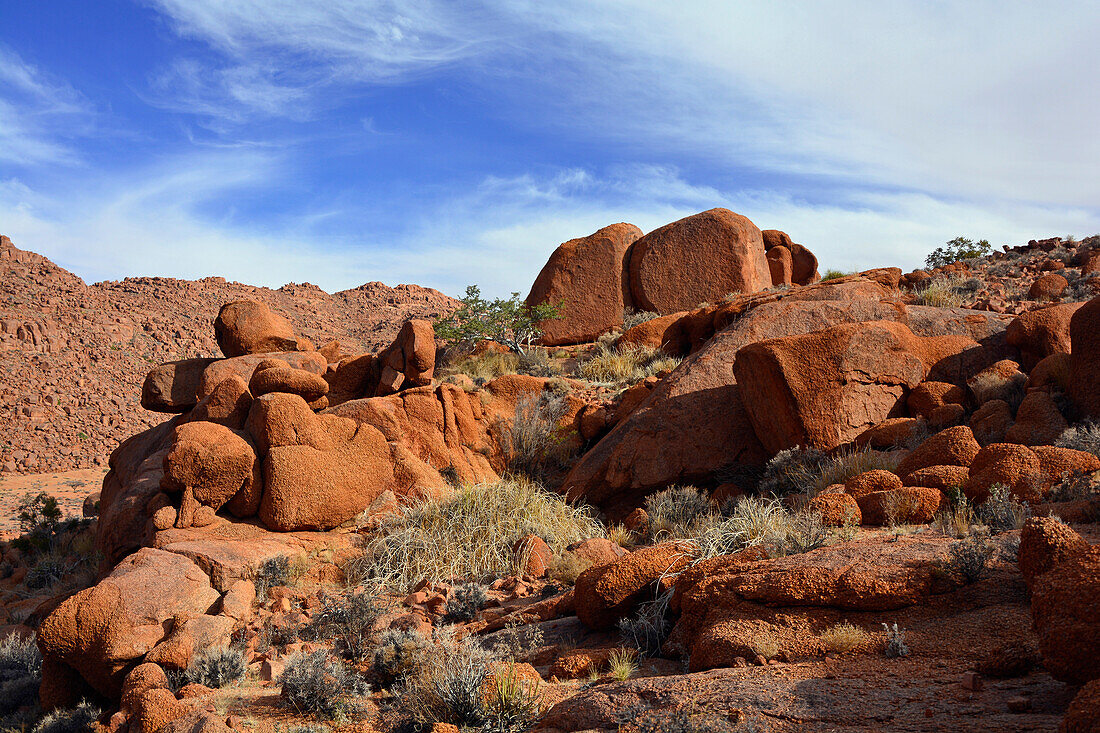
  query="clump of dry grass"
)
[
  {"x": 534, "y": 441},
  {"x": 622, "y": 664},
  {"x": 947, "y": 292},
  {"x": 625, "y": 365},
  {"x": 956, "y": 519},
  {"x": 483, "y": 367},
  {"x": 678, "y": 512},
  {"x": 766, "y": 644},
  {"x": 566, "y": 568},
  {"x": 808, "y": 470},
  {"x": 468, "y": 535},
  {"x": 844, "y": 637}
]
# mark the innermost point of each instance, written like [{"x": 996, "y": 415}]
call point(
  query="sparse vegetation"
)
[
  {"x": 567, "y": 567},
  {"x": 534, "y": 442},
  {"x": 808, "y": 470},
  {"x": 752, "y": 521},
  {"x": 484, "y": 367},
  {"x": 968, "y": 558},
  {"x": 397, "y": 653},
  {"x": 468, "y": 535},
  {"x": 959, "y": 248},
  {"x": 1084, "y": 436},
  {"x": 803, "y": 531},
  {"x": 895, "y": 645},
  {"x": 1002, "y": 511},
  {"x": 218, "y": 667},
  {"x": 622, "y": 664},
  {"x": 632, "y": 318},
  {"x": 449, "y": 688},
  {"x": 20, "y": 673},
  {"x": 625, "y": 365},
  {"x": 79, "y": 719},
  {"x": 940, "y": 292},
  {"x": 833, "y": 275},
  {"x": 678, "y": 512},
  {"x": 1075, "y": 487},
  {"x": 648, "y": 628},
  {"x": 844, "y": 637},
  {"x": 956, "y": 519},
  {"x": 510, "y": 321},
  {"x": 536, "y": 363},
  {"x": 348, "y": 619},
  {"x": 272, "y": 573},
  {"x": 465, "y": 601},
  {"x": 317, "y": 684},
  {"x": 766, "y": 644}
]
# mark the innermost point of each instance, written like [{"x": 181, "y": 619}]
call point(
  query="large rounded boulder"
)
[
  {"x": 251, "y": 327},
  {"x": 700, "y": 258}
]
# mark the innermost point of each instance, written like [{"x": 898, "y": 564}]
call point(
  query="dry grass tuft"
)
[
  {"x": 625, "y": 365},
  {"x": 483, "y": 367},
  {"x": 844, "y": 637},
  {"x": 469, "y": 535},
  {"x": 766, "y": 644},
  {"x": 622, "y": 664}
]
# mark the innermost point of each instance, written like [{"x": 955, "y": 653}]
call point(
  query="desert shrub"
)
[
  {"x": 803, "y": 531},
  {"x": 632, "y": 318},
  {"x": 622, "y": 664},
  {"x": 621, "y": 536},
  {"x": 648, "y": 628},
  {"x": 467, "y": 535},
  {"x": 484, "y": 367},
  {"x": 895, "y": 645},
  {"x": 753, "y": 521},
  {"x": 79, "y": 719},
  {"x": 349, "y": 620},
  {"x": 218, "y": 667},
  {"x": 955, "y": 519},
  {"x": 833, "y": 275},
  {"x": 1075, "y": 487},
  {"x": 317, "y": 684},
  {"x": 766, "y": 644},
  {"x": 795, "y": 470},
  {"x": 534, "y": 442},
  {"x": 1002, "y": 511},
  {"x": 968, "y": 558},
  {"x": 464, "y": 603},
  {"x": 941, "y": 292},
  {"x": 39, "y": 519},
  {"x": 1084, "y": 436},
  {"x": 47, "y": 572},
  {"x": 20, "y": 673},
  {"x": 676, "y": 512},
  {"x": 510, "y": 322},
  {"x": 959, "y": 248},
  {"x": 844, "y": 637},
  {"x": 625, "y": 365},
  {"x": 513, "y": 704},
  {"x": 536, "y": 363},
  {"x": 272, "y": 573},
  {"x": 448, "y": 689},
  {"x": 397, "y": 653}
]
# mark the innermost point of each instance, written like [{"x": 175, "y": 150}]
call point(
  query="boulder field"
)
[{"x": 282, "y": 448}]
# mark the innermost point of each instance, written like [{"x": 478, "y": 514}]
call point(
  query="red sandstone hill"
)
[{"x": 73, "y": 356}]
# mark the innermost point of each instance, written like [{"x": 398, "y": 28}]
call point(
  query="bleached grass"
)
[
  {"x": 766, "y": 644},
  {"x": 844, "y": 637},
  {"x": 625, "y": 365},
  {"x": 469, "y": 535},
  {"x": 483, "y": 367}
]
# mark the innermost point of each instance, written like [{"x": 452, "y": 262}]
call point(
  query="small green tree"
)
[
  {"x": 959, "y": 248},
  {"x": 507, "y": 321}
]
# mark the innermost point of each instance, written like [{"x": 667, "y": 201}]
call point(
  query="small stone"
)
[
  {"x": 1018, "y": 704},
  {"x": 972, "y": 681}
]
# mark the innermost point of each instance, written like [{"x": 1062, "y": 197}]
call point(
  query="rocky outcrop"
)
[
  {"x": 700, "y": 258},
  {"x": 587, "y": 277},
  {"x": 606, "y": 593},
  {"x": 803, "y": 263},
  {"x": 250, "y": 327}
]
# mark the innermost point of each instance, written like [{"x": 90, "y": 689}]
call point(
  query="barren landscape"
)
[{"x": 656, "y": 495}]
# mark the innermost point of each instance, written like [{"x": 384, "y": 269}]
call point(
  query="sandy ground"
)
[{"x": 68, "y": 487}]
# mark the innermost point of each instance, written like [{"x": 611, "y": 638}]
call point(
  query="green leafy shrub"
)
[
  {"x": 959, "y": 248},
  {"x": 510, "y": 322},
  {"x": 218, "y": 667},
  {"x": 833, "y": 275}
]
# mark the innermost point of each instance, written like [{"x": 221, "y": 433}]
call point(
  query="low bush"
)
[
  {"x": 844, "y": 637},
  {"x": 397, "y": 653},
  {"x": 1084, "y": 436},
  {"x": 945, "y": 292},
  {"x": 677, "y": 512},
  {"x": 465, "y": 601},
  {"x": 39, "y": 517},
  {"x": 833, "y": 275},
  {"x": 534, "y": 442},
  {"x": 803, "y": 531},
  {"x": 766, "y": 644},
  {"x": 537, "y": 363},
  {"x": 1075, "y": 487},
  {"x": 218, "y": 667},
  {"x": 567, "y": 567},
  {"x": 968, "y": 558},
  {"x": 484, "y": 367},
  {"x": 272, "y": 573},
  {"x": 955, "y": 519},
  {"x": 449, "y": 688},
  {"x": 895, "y": 645},
  {"x": 317, "y": 684},
  {"x": 632, "y": 318},
  {"x": 648, "y": 628},
  {"x": 79, "y": 719},
  {"x": 1003, "y": 512},
  {"x": 47, "y": 572},
  {"x": 791, "y": 471},
  {"x": 753, "y": 521},
  {"x": 20, "y": 674},
  {"x": 349, "y": 620},
  {"x": 467, "y": 535}
]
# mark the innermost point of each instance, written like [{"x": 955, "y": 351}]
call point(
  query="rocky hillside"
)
[{"x": 73, "y": 356}]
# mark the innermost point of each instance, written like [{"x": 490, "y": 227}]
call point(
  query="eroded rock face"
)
[
  {"x": 102, "y": 631},
  {"x": 250, "y": 327},
  {"x": 697, "y": 259},
  {"x": 825, "y": 388},
  {"x": 588, "y": 278},
  {"x": 173, "y": 387}
]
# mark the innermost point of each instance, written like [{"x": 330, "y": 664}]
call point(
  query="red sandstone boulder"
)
[
  {"x": 532, "y": 556},
  {"x": 588, "y": 278},
  {"x": 991, "y": 422},
  {"x": 606, "y": 593},
  {"x": 307, "y": 385},
  {"x": 1042, "y": 332},
  {"x": 409, "y": 361},
  {"x": 174, "y": 386},
  {"x": 905, "y": 505},
  {"x": 779, "y": 263},
  {"x": 837, "y": 510},
  {"x": 871, "y": 481},
  {"x": 1048, "y": 287},
  {"x": 1058, "y": 463},
  {"x": 250, "y": 327},
  {"x": 891, "y": 433},
  {"x": 1015, "y": 466},
  {"x": 227, "y": 405},
  {"x": 944, "y": 478},
  {"x": 211, "y": 465},
  {"x": 1084, "y": 331},
  {"x": 952, "y": 447},
  {"x": 928, "y": 396},
  {"x": 825, "y": 388},
  {"x": 803, "y": 261},
  {"x": 103, "y": 631},
  {"x": 245, "y": 366},
  {"x": 1083, "y": 715},
  {"x": 697, "y": 259},
  {"x": 1038, "y": 421}
]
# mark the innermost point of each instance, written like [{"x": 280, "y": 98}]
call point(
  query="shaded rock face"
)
[
  {"x": 588, "y": 278},
  {"x": 1084, "y": 383},
  {"x": 697, "y": 259}
]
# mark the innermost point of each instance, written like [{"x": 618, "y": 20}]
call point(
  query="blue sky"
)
[{"x": 448, "y": 143}]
